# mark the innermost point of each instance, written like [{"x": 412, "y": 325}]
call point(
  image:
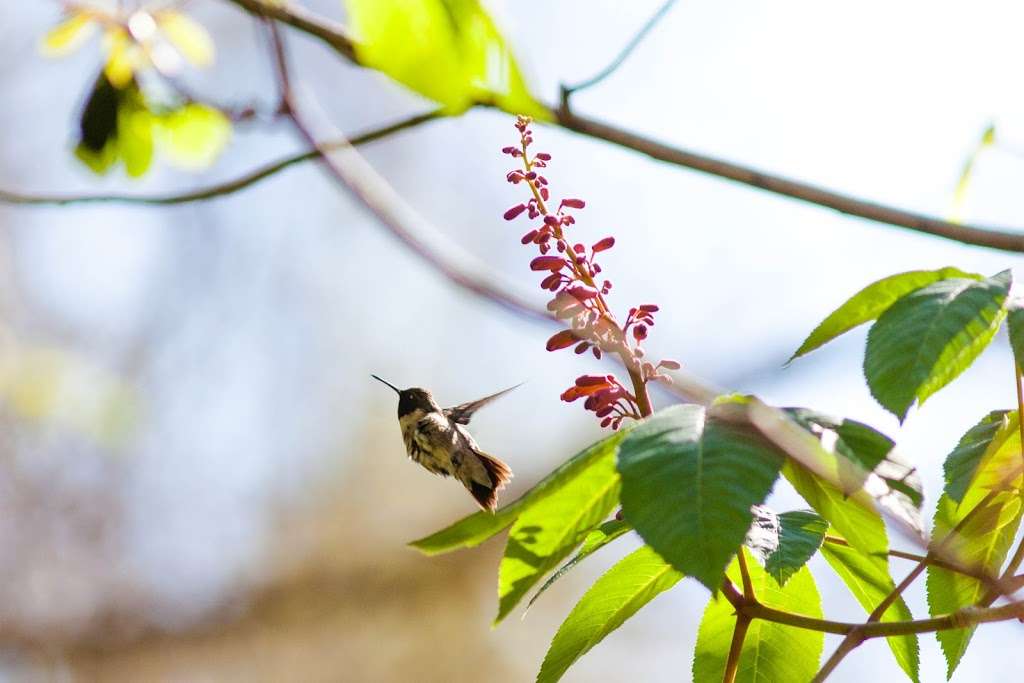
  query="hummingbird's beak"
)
[{"x": 397, "y": 390}]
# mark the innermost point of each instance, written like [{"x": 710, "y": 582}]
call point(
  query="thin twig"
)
[
  {"x": 739, "y": 633},
  {"x": 331, "y": 33},
  {"x": 568, "y": 90},
  {"x": 748, "y": 585}
]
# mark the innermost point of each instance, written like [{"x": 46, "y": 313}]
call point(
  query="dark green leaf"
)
[
  {"x": 927, "y": 338},
  {"x": 548, "y": 530},
  {"x": 871, "y": 302},
  {"x": 800, "y": 536},
  {"x": 615, "y": 597},
  {"x": 473, "y": 530},
  {"x": 869, "y": 581},
  {"x": 771, "y": 652},
  {"x": 689, "y": 478},
  {"x": 1015, "y": 325},
  {"x": 595, "y": 540}
]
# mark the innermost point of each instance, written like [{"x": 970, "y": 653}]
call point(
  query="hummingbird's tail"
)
[{"x": 499, "y": 473}]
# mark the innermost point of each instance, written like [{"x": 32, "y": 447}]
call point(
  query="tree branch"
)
[{"x": 331, "y": 33}]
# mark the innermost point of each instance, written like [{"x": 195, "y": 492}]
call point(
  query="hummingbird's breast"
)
[{"x": 430, "y": 439}]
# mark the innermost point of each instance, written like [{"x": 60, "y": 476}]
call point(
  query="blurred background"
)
[{"x": 198, "y": 479}]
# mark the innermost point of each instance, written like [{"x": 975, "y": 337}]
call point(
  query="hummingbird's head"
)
[{"x": 412, "y": 399}]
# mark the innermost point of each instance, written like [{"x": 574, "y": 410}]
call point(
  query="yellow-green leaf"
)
[
  {"x": 193, "y": 136},
  {"x": 188, "y": 36},
  {"x": 135, "y": 138},
  {"x": 69, "y": 35},
  {"x": 447, "y": 50}
]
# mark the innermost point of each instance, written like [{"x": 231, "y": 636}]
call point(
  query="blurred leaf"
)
[
  {"x": 473, "y": 530},
  {"x": 800, "y": 535},
  {"x": 135, "y": 135},
  {"x": 988, "y": 138},
  {"x": 930, "y": 336},
  {"x": 982, "y": 542},
  {"x": 993, "y": 435},
  {"x": 866, "y": 460},
  {"x": 688, "y": 481},
  {"x": 193, "y": 136},
  {"x": 69, "y": 35},
  {"x": 121, "y": 57},
  {"x": 871, "y": 302},
  {"x": 615, "y": 597},
  {"x": 188, "y": 36},
  {"x": 1015, "y": 326},
  {"x": 548, "y": 530},
  {"x": 447, "y": 50},
  {"x": 595, "y": 540},
  {"x": 771, "y": 652},
  {"x": 869, "y": 581}
]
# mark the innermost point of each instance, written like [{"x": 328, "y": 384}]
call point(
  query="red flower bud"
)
[
  {"x": 670, "y": 364},
  {"x": 514, "y": 211},
  {"x": 528, "y": 237},
  {"x": 594, "y": 380},
  {"x": 581, "y": 293},
  {"x": 543, "y": 156},
  {"x": 574, "y": 203},
  {"x": 544, "y": 194},
  {"x": 597, "y": 352},
  {"x": 640, "y": 332},
  {"x": 554, "y": 263},
  {"x": 649, "y": 308},
  {"x": 551, "y": 281},
  {"x": 606, "y": 243},
  {"x": 570, "y": 394},
  {"x": 604, "y": 423},
  {"x": 582, "y": 347},
  {"x": 561, "y": 340}
]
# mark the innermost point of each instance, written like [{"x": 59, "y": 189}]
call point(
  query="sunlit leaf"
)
[
  {"x": 69, "y": 35},
  {"x": 595, "y": 540},
  {"x": 871, "y": 302},
  {"x": 548, "y": 530},
  {"x": 135, "y": 137},
  {"x": 771, "y": 652},
  {"x": 689, "y": 478},
  {"x": 447, "y": 50},
  {"x": 869, "y": 581},
  {"x": 800, "y": 535},
  {"x": 193, "y": 136},
  {"x": 927, "y": 338},
  {"x": 188, "y": 36},
  {"x": 988, "y": 138},
  {"x": 982, "y": 442},
  {"x": 615, "y": 597},
  {"x": 1015, "y": 326},
  {"x": 476, "y": 528}
]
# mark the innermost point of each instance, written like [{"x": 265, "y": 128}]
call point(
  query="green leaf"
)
[
  {"x": 193, "y": 136},
  {"x": 595, "y": 540},
  {"x": 188, "y": 36},
  {"x": 688, "y": 481},
  {"x": 800, "y": 535},
  {"x": 473, "y": 530},
  {"x": 871, "y": 302},
  {"x": 869, "y": 581},
  {"x": 980, "y": 444},
  {"x": 983, "y": 541},
  {"x": 988, "y": 138},
  {"x": 447, "y": 50},
  {"x": 135, "y": 136},
  {"x": 1015, "y": 326},
  {"x": 866, "y": 459},
  {"x": 615, "y": 597},
  {"x": 771, "y": 652},
  {"x": 547, "y": 531},
  {"x": 854, "y": 516},
  {"x": 928, "y": 337}
]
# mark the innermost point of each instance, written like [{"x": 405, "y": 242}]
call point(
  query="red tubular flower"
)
[
  {"x": 514, "y": 211},
  {"x": 604, "y": 245},
  {"x": 562, "y": 339},
  {"x": 547, "y": 263}
]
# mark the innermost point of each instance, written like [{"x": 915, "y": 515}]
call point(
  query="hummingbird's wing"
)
[{"x": 462, "y": 413}]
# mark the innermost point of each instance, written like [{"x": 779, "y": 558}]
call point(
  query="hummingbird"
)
[{"x": 437, "y": 439}]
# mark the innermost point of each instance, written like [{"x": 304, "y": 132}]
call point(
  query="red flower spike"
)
[
  {"x": 574, "y": 203},
  {"x": 562, "y": 339},
  {"x": 514, "y": 211},
  {"x": 605, "y": 244},
  {"x": 554, "y": 263}
]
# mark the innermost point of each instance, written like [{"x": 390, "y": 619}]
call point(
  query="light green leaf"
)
[
  {"x": 615, "y": 597},
  {"x": 871, "y": 302},
  {"x": 869, "y": 581},
  {"x": 595, "y": 540},
  {"x": 995, "y": 435},
  {"x": 67, "y": 36},
  {"x": 983, "y": 542},
  {"x": 988, "y": 138},
  {"x": 447, "y": 50},
  {"x": 547, "y": 531},
  {"x": 135, "y": 136},
  {"x": 473, "y": 530},
  {"x": 771, "y": 652},
  {"x": 800, "y": 535},
  {"x": 688, "y": 481},
  {"x": 928, "y": 337},
  {"x": 187, "y": 35},
  {"x": 1015, "y": 326},
  {"x": 193, "y": 136}
]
